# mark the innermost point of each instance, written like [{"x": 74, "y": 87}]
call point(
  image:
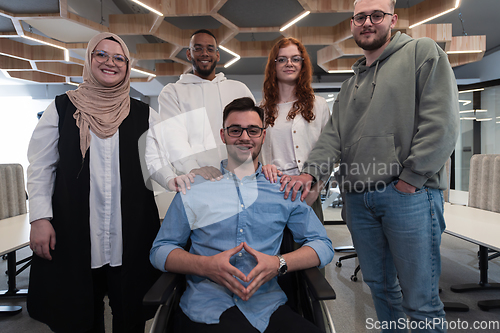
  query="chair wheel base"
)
[
  {"x": 354, "y": 278},
  {"x": 338, "y": 264},
  {"x": 456, "y": 307},
  {"x": 488, "y": 305},
  {"x": 10, "y": 310}
]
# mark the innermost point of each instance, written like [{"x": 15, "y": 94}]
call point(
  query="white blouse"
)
[
  {"x": 105, "y": 185},
  {"x": 289, "y": 142}
]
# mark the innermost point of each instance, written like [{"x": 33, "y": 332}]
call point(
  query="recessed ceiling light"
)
[
  {"x": 340, "y": 71},
  {"x": 471, "y": 90},
  {"x": 232, "y": 61},
  {"x": 143, "y": 72},
  {"x": 457, "y": 4},
  {"x": 295, "y": 20},
  {"x": 148, "y": 8}
]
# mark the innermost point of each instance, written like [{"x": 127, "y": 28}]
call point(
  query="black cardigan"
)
[{"x": 60, "y": 291}]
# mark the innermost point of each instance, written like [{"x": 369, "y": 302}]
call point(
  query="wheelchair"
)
[{"x": 307, "y": 290}]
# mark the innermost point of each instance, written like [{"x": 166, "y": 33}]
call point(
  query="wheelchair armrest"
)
[
  {"x": 320, "y": 288},
  {"x": 162, "y": 288}
]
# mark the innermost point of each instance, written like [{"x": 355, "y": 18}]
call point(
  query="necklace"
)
[{"x": 284, "y": 102}]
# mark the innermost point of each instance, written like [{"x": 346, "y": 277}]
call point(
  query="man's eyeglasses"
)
[
  {"x": 296, "y": 60},
  {"x": 199, "y": 49},
  {"x": 376, "y": 18},
  {"x": 236, "y": 131},
  {"x": 102, "y": 56}
]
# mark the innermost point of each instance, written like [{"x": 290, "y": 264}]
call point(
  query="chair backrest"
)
[
  {"x": 12, "y": 191},
  {"x": 484, "y": 182}
]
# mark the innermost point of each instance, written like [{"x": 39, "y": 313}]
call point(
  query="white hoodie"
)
[{"x": 188, "y": 136}]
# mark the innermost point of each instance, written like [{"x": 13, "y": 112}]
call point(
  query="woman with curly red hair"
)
[{"x": 295, "y": 117}]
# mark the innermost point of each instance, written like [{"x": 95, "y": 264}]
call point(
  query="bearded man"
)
[{"x": 393, "y": 127}]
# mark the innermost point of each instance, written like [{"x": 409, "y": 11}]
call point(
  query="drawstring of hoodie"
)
[
  {"x": 374, "y": 83},
  {"x": 220, "y": 97},
  {"x": 356, "y": 86}
]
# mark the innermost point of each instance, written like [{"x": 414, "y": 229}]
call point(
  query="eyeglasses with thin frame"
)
[
  {"x": 102, "y": 57},
  {"x": 376, "y": 18},
  {"x": 295, "y": 60},
  {"x": 199, "y": 49},
  {"x": 236, "y": 131}
]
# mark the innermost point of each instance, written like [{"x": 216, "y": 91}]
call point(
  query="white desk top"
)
[
  {"x": 478, "y": 226},
  {"x": 14, "y": 233}
]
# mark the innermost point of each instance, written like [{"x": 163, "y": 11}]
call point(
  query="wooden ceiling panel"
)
[
  {"x": 463, "y": 59},
  {"x": 342, "y": 64},
  {"x": 30, "y": 52},
  {"x": 131, "y": 24},
  {"x": 170, "y": 33},
  {"x": 321, "y": 35},
  {"x": 438, "y": 32},
  {"x": 255, "y": 49},
  {"x": 429, "y": 8},
  {"x": 156, "y": 51},
  {"x": 468, "y": 43},
  {"x": 14, "y": 63},
  {"x": 60, "y": 68},
  {"x": 189, "y": 7},
  {"x": 235, "y": 17},
  {"x": 328, "y": 6},
  {"x": 37, "y": 76},
  {"x": 169, "y": 69}
]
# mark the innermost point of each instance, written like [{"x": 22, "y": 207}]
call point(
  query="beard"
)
[
  {"x": 375, "y": 44},
  {"x": 203, "y": 72},
  {"x": 240, "y": 158}
]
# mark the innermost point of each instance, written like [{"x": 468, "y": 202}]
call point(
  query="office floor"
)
[{"x": 353, "y": 304}]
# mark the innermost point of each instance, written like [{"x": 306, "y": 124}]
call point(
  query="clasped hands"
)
[{"x": 223, "y": 273}]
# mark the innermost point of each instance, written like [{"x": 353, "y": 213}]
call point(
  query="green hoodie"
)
[{"x": 398, "y": 118}]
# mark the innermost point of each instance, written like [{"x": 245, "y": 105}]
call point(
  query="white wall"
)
[{"x": 18, "y": 118}]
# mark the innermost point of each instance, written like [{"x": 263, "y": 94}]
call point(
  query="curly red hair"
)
[{"x": 303, "y": 90}]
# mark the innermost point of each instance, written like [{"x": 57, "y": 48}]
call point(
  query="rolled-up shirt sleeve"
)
[
  {"x": 307, "y": 230},
  {"x": 43, "y": 156},
  {"x": 174, "y": 233}
]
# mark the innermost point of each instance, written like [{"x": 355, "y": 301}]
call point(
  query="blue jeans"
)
[{"x": 397, "y": 237}]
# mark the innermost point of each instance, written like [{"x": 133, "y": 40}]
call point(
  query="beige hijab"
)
[{"x": 99, "y": 108}]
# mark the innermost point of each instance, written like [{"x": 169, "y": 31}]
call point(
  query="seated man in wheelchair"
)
[{"x": 236, "y": 227}]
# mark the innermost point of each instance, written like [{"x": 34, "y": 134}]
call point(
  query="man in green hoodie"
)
[{"x": 393, "y": 127}]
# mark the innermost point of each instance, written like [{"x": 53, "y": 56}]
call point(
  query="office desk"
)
[
  {"x": 480, "y": 227},
  {"x": 14, "y": 234}
]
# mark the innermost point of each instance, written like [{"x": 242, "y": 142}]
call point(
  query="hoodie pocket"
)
[{"x": 369, "y": 162}]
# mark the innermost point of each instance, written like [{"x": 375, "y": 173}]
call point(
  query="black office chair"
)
[
  {"x": 340, "y": 249},
  {"x": 306, "y": 290}
]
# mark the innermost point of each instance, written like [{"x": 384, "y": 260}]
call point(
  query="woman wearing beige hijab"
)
[{"x": 92, "y": 218}]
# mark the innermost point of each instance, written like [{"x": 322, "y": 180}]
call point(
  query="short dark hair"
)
[
  {"x": 205, "y": 31},
  {"x": 242, "y": 104}
]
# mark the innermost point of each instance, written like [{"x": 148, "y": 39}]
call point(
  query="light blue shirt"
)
[{"x": 220, "y": 215}]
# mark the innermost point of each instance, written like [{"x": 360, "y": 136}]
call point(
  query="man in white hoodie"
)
[{"x": 191, "y": 113}]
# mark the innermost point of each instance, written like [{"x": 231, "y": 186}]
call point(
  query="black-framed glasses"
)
[
  {"x": 199, "y": 49},
  {"x": 376, "y": 18},
  {"x": 102, "y": 56},
  {"x": 236, "y": 131},
  {"x": 296, "y": 60}
]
